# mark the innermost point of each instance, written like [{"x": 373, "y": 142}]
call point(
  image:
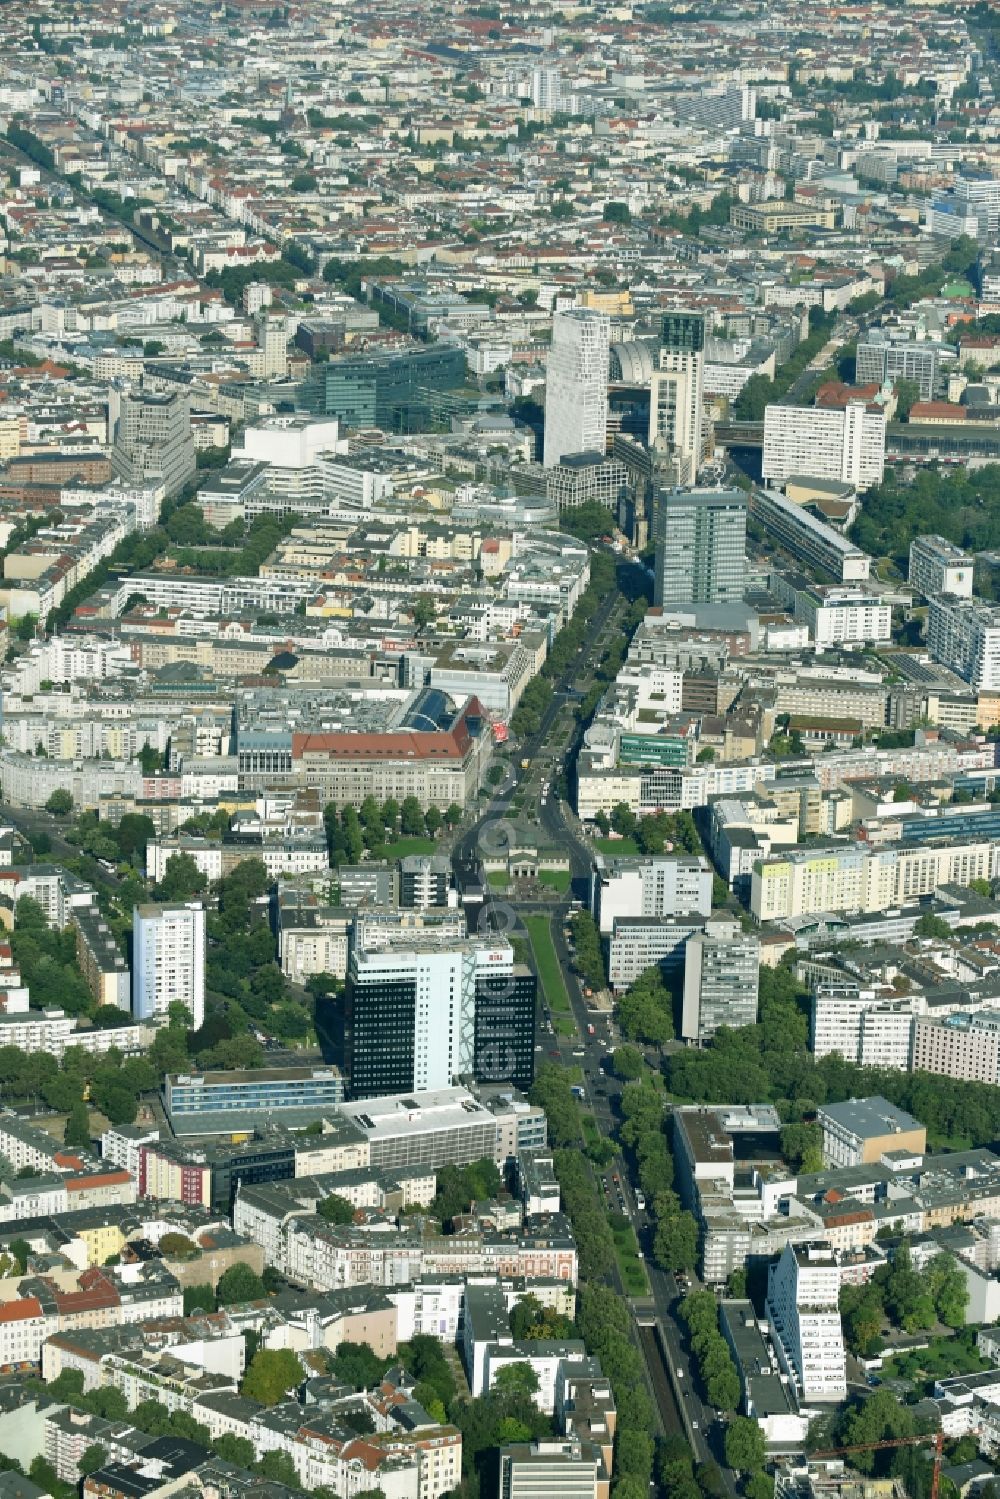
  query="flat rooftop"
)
[
  {"x": 251, "y": 1075},
  {"x": 869, "y": 1118},
  {"x": 437, "y": 1109},
  {"x": 706, "y": 1136}
]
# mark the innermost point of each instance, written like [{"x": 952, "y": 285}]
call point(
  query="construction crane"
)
[{"x": 937, "y": 1437}]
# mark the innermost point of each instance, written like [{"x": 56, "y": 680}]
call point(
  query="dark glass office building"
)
[
  {"x": 426, "y": 1019},
  {"x": 380, "y": 1035},
  {"x": 393, "y": 391},
  {"x": 505, "y": 1029},
  {"x": 683, "y": 331}
]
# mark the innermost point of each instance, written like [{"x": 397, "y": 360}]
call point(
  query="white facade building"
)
[
  {"x": 862, "y": 1026},
  {"x": 169, "y": 960},
  {"x": 662, "y": 885},
  {"x": 964, "y": 634},
  {"x": 677, "y": 392},
  {"x": 858, "y": 877},
  {"x": 846, "y": 443},
  {"x": 939, "y": 566},
  {"x": 802, "y": 1295},
  {"x": 546, "y": 88},
  {"x": 838, "y": 614},
  {"x": 560, "y": 1469},
  {"x": 640, "y": 942},
  {"x": 289, "y": 441},
  {"x": 576, "y": 387}
]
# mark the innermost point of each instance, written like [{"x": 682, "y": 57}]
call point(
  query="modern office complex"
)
[
  {"x": 701, "y": 546},
  {"x": 860, "y": 1025},
  {"x": 859, "y": 1131},
  {"x": 675, "y": 401},
  {"x": 441, "y": 1128},
  {"x": 721, "y": 975},
  {"x": 394, "y": 391},
  {"x": 151, "y": 438},
  {"x": 260, "y": 1090},
  {"x": 424, "y": 1009},
  {"x": 640, "y": 942},
  {"x": 845, "y": 443},
  {"x": 576, "y": 385},
  {"x": 168, "y": 960},
  {"x": 970, "y": 207},
  {"x": 939, "y": 566},
  {"x": 882, "y": 358},
  {"x": 586, "y": 479}
]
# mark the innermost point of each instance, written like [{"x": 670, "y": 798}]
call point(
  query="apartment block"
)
[
  {"x": 963, "y": 1046},
  {"x": 964, "y": 634},
  {"x": 858, "y": 877},
  {"x": 803, "y": 1289},
  {"x": 721, "y": 976},
  {"x": 169, "y": 961},
  {"x": 100, "y": 959},
  {"x": 939, "y": 566},
  {"x": 845, "y": 443}
]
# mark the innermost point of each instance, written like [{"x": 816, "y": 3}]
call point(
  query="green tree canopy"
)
[
  {"x": 271, "y": 1374},
  {"x": 239, "y": 1283},
  {"x": 335, "y": 1209}
]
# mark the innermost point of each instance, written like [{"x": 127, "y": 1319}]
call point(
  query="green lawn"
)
[
  {"x": 627, "y": 1254},
  {"x": 497, "y": 879},
  {"x": 616, "y": 845},
  {"x": 944, "y": 1357},
  {"x": 402, "y": 847},
  {"x": 549, "y": 973},
  {"x": 563, "y": 1025},
  {"x": 948, "y": 1142},
  {"x": 556, "y": 879}
]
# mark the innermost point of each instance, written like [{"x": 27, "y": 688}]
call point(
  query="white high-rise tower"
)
[
  {"x": 576, "y": 384},
  {"x": 675, "y": 405},
  {"x": 168, "y": 960}
]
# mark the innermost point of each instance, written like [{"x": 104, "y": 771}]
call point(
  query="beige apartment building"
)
[{"x": 966, "y": 1047}]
